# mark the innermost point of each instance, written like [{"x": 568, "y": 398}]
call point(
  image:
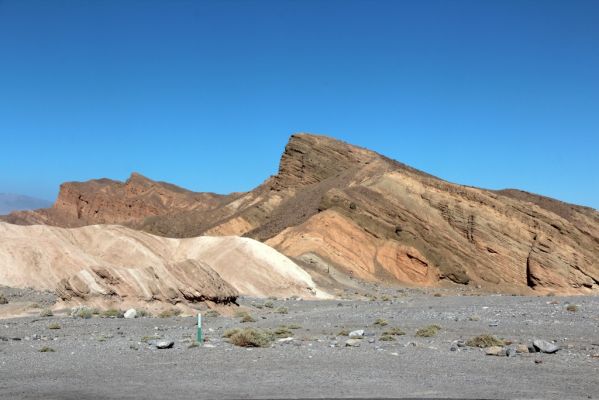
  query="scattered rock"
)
[
  {"x": 493, "y": 350},
  {"x": 522, "y": 348},
  {"x": 371, "y": 340},
  {"x": 537, "y": 361},
  {"x": 511, "y": 352},
  {"x": 545, "y": 346},
  {"x": 353, "y": 342},
  {"x": 130, "y": 313},
  {"x": 165, "y": 344},
  {"x": 356, "y": 334}
]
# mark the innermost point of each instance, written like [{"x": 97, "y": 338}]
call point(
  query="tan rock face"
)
[
  {"x": 119, "y": 264},
  {"x": 378, "y": 219}
]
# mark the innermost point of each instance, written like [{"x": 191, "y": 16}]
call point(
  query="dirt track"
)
[{"x": 105, "y": 358}]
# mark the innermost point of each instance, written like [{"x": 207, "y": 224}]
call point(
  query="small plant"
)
[
  {"x": 273, "y": 298},
  {"x": 428, "y": 331},
  {"x": 141, "y": 313},
  {"x": 572, "y": 307},
  {"x": 112, "y": 313},
  {"x": 230, "y": 332},
  {"x": 54, "y": 325},
  {"x": 437, "y": 295},
  {"x": 3, "y": 299},
  {"x": 146, "y": 339},
  {"x": 282, "y": 310},
  {"x": 82, "y": 312},
  {"x": 294, "y": 326},
  {"x": 483, "y": 341},
  {"x": 173, "y": 312},
  {"x": 46, "y": 349},
  {"x": 343, "y": 332},
  {"x": 46, "y": 312},
  {"x": 283, "y": 332},
  {"x": 35, "y": 305},
  {"x": 212, "y": 313},
  {"x": 269, "y": 304},
  {"x": 251, "y": 337},
  {"x": 394, "y": 332},
  {"x": 381, "y": 322},
  {"x": 387, "y": 338},
  {"x": 385, "y": 298},
  {"x": 247, "y": 318},
  {"x": 259, "y": 306}
]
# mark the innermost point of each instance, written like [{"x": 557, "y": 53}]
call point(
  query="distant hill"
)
[{"x": 15, "y": 202}]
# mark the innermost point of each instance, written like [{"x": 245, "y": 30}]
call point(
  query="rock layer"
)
[{"x": 349, "y": 208}]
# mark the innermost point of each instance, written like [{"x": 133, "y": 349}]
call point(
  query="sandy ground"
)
[{"x": 106, "y": 358}]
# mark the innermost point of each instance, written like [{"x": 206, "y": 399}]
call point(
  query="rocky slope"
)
[
  {"x": 113, "y": 264},
  {"x": 337, "y": 207}
]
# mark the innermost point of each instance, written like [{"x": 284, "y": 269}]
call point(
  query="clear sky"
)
[{"x": 204, "y": 94}]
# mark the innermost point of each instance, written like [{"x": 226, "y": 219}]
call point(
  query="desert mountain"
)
[
  {"x": 110, "y": 263},
  {"x": 15, "y": 202},
  {"x": 337, "y": 207}
]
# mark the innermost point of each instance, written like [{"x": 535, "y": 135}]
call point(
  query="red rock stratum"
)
[{"x": 337, "y": 206}]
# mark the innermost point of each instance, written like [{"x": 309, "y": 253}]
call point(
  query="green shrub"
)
[
  {"x": 283, "y": 332},
  {"x": 282, "y": 310},
  {"x": 112, "y": 313},
  {"x": 343, "y": 332},
  {"x": 173, "y": 312},
  {"x": 251, "y": 337},
  {"x": 3, "y": 299},
  {"x": 483, "y": 341},
  {"x": 46, "y": 349},
  {"x": 212, "y": 313},
  {"x": 269, "y": 304},
  {"x": 294, "y": 326},
  {"x": 387, "y": 338},
  {"x": 381, "y": 322},
  {"x": 572, "y": 307},
  {"x": 141, "y": 313},
  {"x": 82, "y": 312},
  {"x": 230, "y": 332},
  {"x": 247, "y": 318},
  {"x": 428, "y": 331},
  {"x": 46, "y": 312},
  {"x": 54, "y": 325},
  {"x": 394, "y": 332}
]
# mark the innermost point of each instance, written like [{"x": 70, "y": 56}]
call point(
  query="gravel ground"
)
[{"x": 105, "y": 358}]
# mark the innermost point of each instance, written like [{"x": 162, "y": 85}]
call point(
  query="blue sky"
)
[{"x": 205, "y": 94}]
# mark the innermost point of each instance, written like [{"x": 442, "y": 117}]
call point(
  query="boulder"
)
[
  {"x": 544, "y": 346},
  {"x": 130, "y": 313}
]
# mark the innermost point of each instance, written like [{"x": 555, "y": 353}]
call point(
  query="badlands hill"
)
[
  {"x": 338, "y": 208},
  {"x": 113, "y": 264}
]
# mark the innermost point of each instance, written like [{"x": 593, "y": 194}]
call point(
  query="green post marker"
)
[{"x": 200, "y": 337}]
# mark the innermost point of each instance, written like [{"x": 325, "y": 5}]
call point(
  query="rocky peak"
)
[{"x": 310, "y": 159}]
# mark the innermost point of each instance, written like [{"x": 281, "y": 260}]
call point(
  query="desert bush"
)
[
  {"x": 572, "y": 307},
  {"x": 294, "y": 326},
  {"x": 3, "y": 299},
  {"x": 46, "y": 312},
  {"x": 212, "y": 313},
  {"x": 82, "y": 312},
  {"x": 112, "y": 313},
  {"x": 343, "y": 332},
  {"x": 46, "y": 349},
  {"x": 483, "y": 341},
  {"x": 437, "y": 295},
  {"x": 381, "y": 322},
  {"x": 141, "y": 313},
  {"x": 394, "y": 332},
  {"x": 387, "y": 338},
  {"x": 282, "y": 310},
  {"x": 173, "y": 312},
  {"x": 269, "y": 304},
  {"x": 386, "y": 298},
  {"x": 428, "y": 331},
  {"x": 251, "y": 337},
  {"x": 54, "y": 325},
  {"x": 283, "y": 332},
  {"x": 247, "y": 318}
]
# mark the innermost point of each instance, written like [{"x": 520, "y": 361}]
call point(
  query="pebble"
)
[
  {"x": 356, "y": 334},
  {"x": 493, "y": 350},
  {"x": 165, "y": 344},
  {"x": 545, "y": 346}
]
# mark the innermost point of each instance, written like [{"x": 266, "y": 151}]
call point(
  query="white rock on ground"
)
[{"x": 130, "y": 313}]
